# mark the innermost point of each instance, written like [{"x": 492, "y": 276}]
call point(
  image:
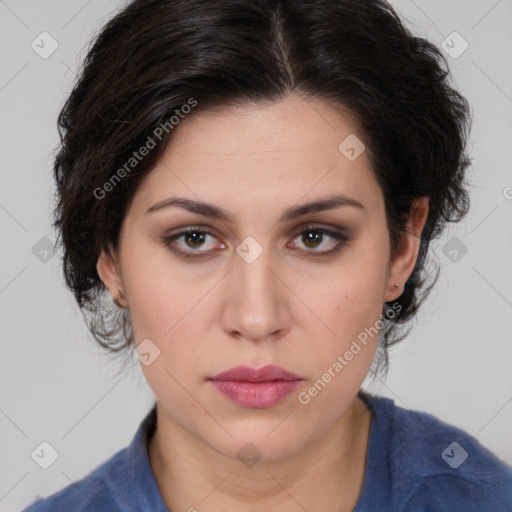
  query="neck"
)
[{"x": 326, "y": 475}]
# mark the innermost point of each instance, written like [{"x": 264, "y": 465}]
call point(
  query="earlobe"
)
[
  {"x": 404, "y": 262},
  {"x": 108, "y": 270}
]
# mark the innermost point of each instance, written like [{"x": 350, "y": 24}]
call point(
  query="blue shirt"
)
[{"x": 414, "y": 463}]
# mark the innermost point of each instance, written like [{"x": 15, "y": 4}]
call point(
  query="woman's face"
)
[{"x": 258, "y": 287}]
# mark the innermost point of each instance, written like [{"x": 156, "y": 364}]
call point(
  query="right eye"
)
[{"x": 192, "y": 238}]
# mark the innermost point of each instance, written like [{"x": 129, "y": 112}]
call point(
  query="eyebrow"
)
[{"x": 210, "y": 210}]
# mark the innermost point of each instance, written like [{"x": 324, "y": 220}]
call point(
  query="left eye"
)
[
  {"x": 311, "y": 237},
  {"x": 314, "y": 237}
]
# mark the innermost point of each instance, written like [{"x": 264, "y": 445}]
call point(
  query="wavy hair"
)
[{"x": 154, "y": 55}]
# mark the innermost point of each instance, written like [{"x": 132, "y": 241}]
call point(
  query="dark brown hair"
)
[{"x": 154, "y": 56}]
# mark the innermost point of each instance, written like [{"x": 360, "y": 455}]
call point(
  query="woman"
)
[{"x": 256, "y": 185}]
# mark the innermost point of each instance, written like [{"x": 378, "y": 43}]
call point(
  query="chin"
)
[{"x": 251, "y": 444}]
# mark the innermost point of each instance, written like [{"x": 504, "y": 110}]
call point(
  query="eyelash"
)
[{"x": 342, "y": 240}]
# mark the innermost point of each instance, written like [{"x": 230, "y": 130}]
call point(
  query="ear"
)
[
  {"x": 108, "y": 270},
  {"x": 402, "y": 266}
]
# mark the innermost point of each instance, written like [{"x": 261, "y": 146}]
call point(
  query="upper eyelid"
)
[
  {"x": 207, "y": 230},
  {"x": 333, "y": 232}
]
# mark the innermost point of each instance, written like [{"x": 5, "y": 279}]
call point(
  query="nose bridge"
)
[
  {"x": 253, "y": 272},
  {"x": 255, "y": 305}
]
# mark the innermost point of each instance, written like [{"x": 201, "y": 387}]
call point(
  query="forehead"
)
[
  {"x": 293, "y": 125},
  {"x": 289, "y": 149}
]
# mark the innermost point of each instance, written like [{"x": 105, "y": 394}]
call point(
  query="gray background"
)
[{"x": 57, "y": 386}]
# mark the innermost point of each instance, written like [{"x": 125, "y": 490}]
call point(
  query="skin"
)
[{"x": 212, "y": 313}]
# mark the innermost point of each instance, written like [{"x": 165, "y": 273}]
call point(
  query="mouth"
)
[
  {"x": 266, "y": 373},
  {"x": 256, "y": 388}
]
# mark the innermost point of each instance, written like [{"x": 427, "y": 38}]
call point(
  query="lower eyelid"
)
[
  {"x": 337, "y": 236},
  {"x": 167, "y": 240},
  {"x": 339, "y": 242}
]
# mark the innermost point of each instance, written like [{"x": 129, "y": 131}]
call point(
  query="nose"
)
[{"x": 256, "y": 300}]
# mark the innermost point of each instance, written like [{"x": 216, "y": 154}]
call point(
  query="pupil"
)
[
  {"x": 196, "y": 238},
  {"x": 313, "y": 237}
]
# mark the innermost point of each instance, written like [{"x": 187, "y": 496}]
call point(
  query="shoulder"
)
[
  {"x": 91, "y": 493},
  {"x": 124, "y": 482},
  {"x": 451, "y": 493},
  {"x": 440, "y": 466}
]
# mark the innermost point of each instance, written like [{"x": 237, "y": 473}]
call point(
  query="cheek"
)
[
  {"x": 168, "y": 308},
  {"x": 350, "y": 307},
  {"x": 339, "y": 363},
  {"x": 159, "y": 293},
  {"x": 168, "y": 312},
  {"x": 354, "y": 294},
  {"x": 174, "y": 321}
]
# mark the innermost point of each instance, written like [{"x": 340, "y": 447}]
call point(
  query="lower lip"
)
[{"x": 257, "y": 395}]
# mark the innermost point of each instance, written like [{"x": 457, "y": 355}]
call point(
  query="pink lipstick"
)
[{"x": 256, "y": 388}]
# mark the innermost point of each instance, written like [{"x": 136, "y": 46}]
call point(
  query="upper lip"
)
[{"x": 264, "y": 374}]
